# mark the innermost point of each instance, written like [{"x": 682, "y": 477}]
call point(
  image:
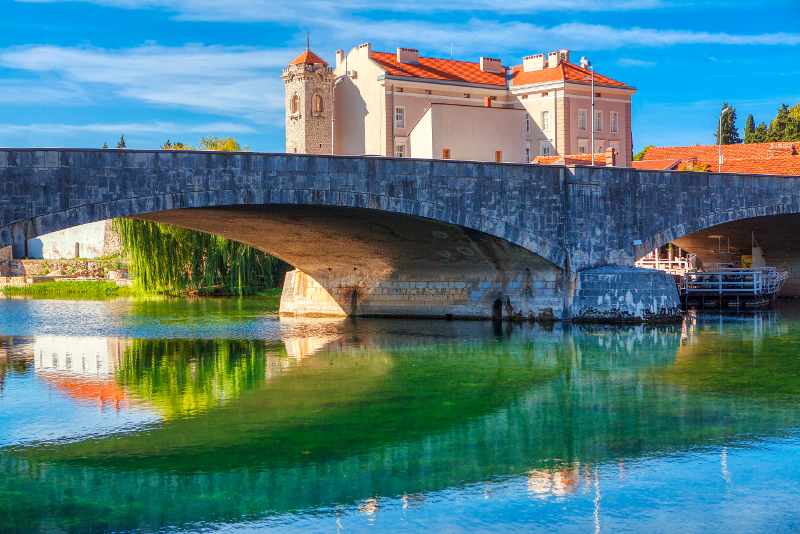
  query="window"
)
[
  {"x": 399, "y": 89},
  {"x": 295, "y": 107},
  {"x": 582, "y": 119},
  {"x": 446, "y": 153},
  {"x": 545, "y": 93},
  {"x": 527, "y": 152},
  {"x": 598, "y": 147},
  {"x": 597, "y": 95},
  {"x": 427, "y": 92},
  {"x": 545, "y": 121},
  {"x": 527, "y": 123},
  {"x": 466, "y": 95},
  {"x": 614, "y": 121},
  {"x": 317, "y": 103},
  {"x": 400, "y": 151},
  {"x": 598, "y": 121},
  {"x": 498, "y": 156},
  {"x": 524, "y": 97},
  {"x": 583, "y": 146},
  {"x": 544, "y": 149},
  {"x": 400, "y": 117}
]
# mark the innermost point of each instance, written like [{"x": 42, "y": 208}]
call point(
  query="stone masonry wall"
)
[{"x": 309, "y": 131}]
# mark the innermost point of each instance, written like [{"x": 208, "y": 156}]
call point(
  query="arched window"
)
[
  {"x": 318, "y": 103},
  {"x": 295, "y": 104}
]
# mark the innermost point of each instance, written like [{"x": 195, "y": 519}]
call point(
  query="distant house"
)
[
  {"x": 405, "y": 105},
  {"x": 755, "y": 158}
]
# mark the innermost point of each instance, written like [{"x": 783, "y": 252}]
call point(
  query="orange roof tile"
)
[
  {"x": 438, "y": 69},
  {"x": 564, "y": 71},
  {"x": 308, "y": 57},
  {"x": 787, "y": 166},
  {"x": 710, "y": 153},
  {"x": 572, "y": 159},
  {"x": 657, "y": 164}
]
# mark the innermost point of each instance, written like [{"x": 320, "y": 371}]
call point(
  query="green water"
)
[{"x": 156, "y": 415}]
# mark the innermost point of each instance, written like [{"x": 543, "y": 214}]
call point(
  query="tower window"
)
[
  {"x": 318, "y": 103},
  {"x": 295, "y": 107}
]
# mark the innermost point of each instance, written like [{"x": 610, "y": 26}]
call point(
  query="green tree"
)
[
  {"x": 760, "y": 135},
  {"x": 121, "y": 143},
  {"x": 749, "y": 129},
  {"x": 730, "y": 134},
  {"x": 173, "y": 259},
  {"x": 639, "y": 155}
]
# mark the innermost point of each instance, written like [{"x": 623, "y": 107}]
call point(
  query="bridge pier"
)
[{"x": 607, "y": 294}]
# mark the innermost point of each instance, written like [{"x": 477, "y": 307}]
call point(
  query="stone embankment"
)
[{"x": 17, "y": 272}]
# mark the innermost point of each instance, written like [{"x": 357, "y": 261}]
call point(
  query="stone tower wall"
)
[{"x": 307, "y": 131}]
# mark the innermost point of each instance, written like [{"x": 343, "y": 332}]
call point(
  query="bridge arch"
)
[
  {"x": 712, "y": 220},
  {"x": 456, "y": 230}
]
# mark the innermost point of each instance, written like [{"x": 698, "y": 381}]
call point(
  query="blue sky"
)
[{"x": 81, "y": 73}]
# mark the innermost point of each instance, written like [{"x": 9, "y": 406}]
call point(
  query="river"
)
[{"x": 164, "y": 415}]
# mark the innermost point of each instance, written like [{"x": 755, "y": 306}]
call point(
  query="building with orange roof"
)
[
  {"x": 403, "y": 104},
  {"x": 754, "y": 158}
]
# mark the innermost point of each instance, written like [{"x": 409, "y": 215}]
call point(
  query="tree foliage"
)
[
  {"x": 785, "y": 127},
  {"x": 227, "y": 144},
  {"x": 730, "y": 134},
  {"x": 639, "y": 155},
  {"x": 173, "y": 259},
  {"x": 168, "y": 258}
]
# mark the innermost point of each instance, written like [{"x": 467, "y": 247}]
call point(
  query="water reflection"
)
[{"x": 352, "y": 413}]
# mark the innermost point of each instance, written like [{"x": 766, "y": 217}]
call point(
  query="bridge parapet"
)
[{"x": 362, "y": 227}]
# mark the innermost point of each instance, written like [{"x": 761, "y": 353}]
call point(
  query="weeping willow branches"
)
[{"x": 167, "y": 258}]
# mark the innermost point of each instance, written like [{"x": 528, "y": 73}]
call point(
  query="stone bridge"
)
[{"x": 403, "y": 237}]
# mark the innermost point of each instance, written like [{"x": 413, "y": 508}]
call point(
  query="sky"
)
[{"x": 80, "y": 74}]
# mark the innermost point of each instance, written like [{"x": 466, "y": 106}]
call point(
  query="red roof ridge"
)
[{"x": 308, "y": 57}]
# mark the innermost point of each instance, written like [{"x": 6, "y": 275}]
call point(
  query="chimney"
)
[
  {"x": 339, "y": 57},
  {"x": 487, "y": 102},
  {"x": 366, "y": 47},
  {"x": 564, "y": 55},
  {"x": 489, "y": 64},
  {"x": 611, "y": 157},
  {"x": 690, "y": 162},
  {"x": 530, "y": 63},
  {"x": 553, "y": 59},
  {"x": 408, "y": 55},
  {"x": 779, "y": 150}
]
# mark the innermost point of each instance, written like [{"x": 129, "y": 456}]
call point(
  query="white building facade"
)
[{"x": 404, "y": 105}]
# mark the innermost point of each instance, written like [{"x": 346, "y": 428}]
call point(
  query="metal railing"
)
[{"x": 757, "y": 281}]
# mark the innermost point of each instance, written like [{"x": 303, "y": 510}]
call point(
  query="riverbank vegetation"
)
[
  {"x": 83, "y": 287},
  {"x": 174, "y": 260}
]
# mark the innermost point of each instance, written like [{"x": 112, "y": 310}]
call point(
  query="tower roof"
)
[{"x": 308, "y": 57}]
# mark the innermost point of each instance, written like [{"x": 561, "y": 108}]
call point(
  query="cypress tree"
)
[
  {"x": 777, "y": 128},
  {"x": 749, "y": 129},
  {"x": 730, "y": 135},
  {"x": 760, "y": 135}
]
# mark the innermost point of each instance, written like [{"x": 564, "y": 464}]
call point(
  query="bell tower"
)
[{"x": 309, "y": 104}]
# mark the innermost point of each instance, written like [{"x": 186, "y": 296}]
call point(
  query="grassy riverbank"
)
[{"x": 84, "y": 288}]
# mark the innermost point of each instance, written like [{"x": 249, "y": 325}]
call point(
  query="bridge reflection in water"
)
[{"x": 346, "y": 413}]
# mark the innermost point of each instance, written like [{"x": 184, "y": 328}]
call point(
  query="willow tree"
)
[{"x": 172, "y": 259}]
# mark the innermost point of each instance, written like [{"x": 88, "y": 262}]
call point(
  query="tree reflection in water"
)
[{"x": 379, "y": 408}]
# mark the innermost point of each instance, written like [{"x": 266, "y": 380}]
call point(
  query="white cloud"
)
[
  {"x": 237, "y": 81},
  {"x": 631, "y": 62},
  {"x": 317, "y": 11}
]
